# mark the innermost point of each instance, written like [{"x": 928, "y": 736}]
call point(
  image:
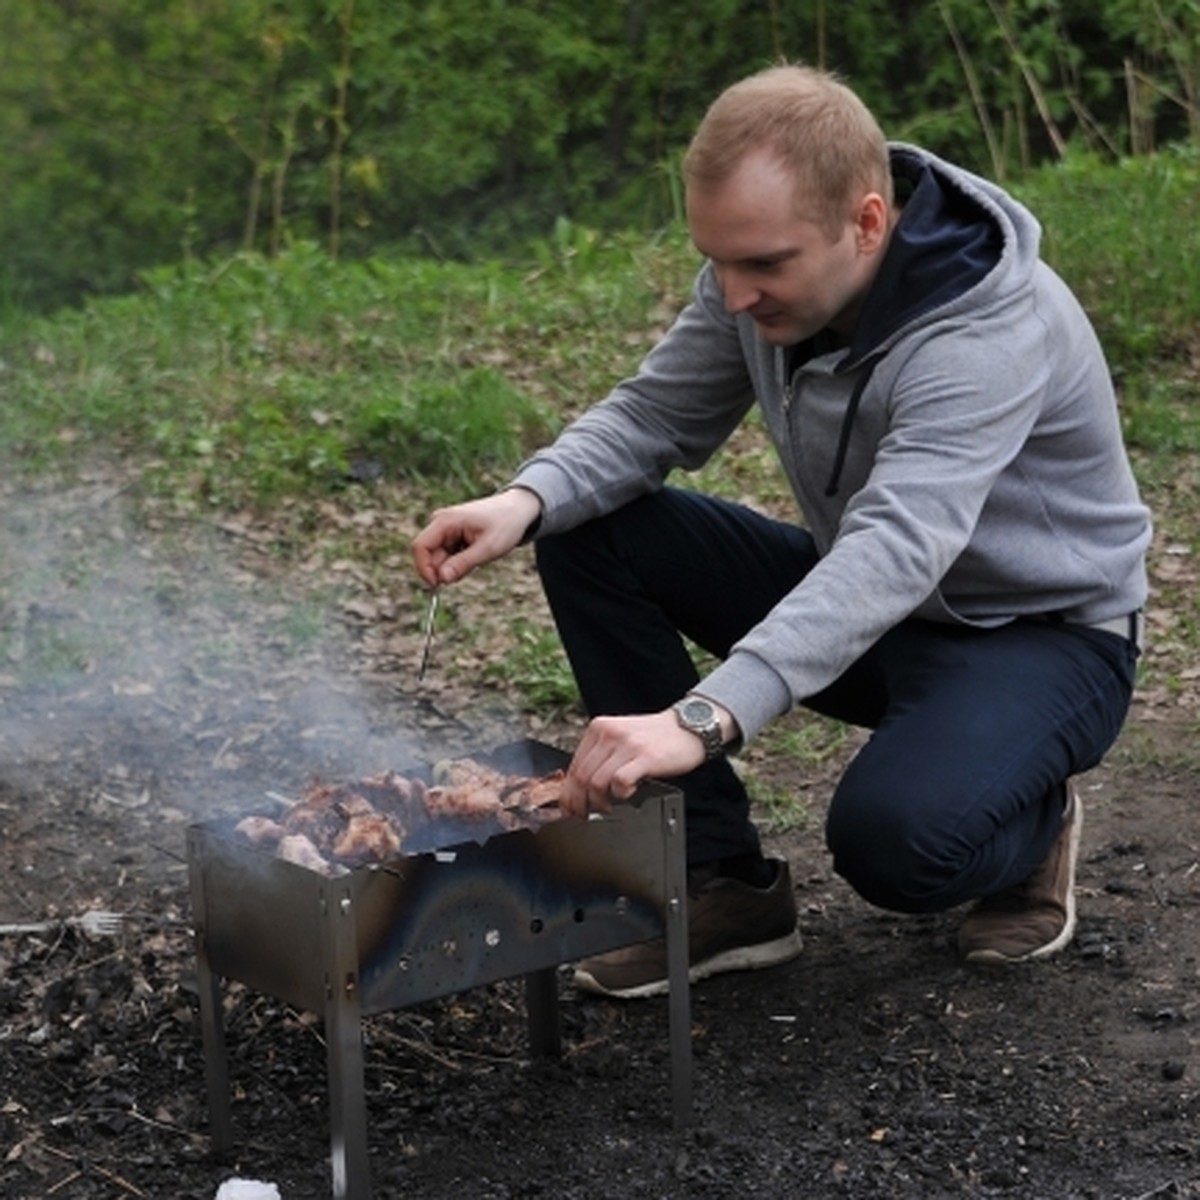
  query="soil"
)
[{"x": 875, "y": 1065}]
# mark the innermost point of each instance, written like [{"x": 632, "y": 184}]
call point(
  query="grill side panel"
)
[
  {"x": 260, "y": 918},
  {"x": 441, "y": 923}
]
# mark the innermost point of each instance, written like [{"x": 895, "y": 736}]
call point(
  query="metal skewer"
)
[{"x": 430, "y": 622}]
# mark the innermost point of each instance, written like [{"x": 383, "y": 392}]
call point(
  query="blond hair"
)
[{"x": 819, "y": 129}]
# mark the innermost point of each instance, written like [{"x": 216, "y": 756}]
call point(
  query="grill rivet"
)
[
  {"x": 345, "y": 905},
  {"x": 492, "y": 937}
]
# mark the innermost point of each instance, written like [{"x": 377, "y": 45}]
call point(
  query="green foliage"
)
[
  {"x": 1127, "y": 238},
  {"x": 135, "y": 134},
  {"x": 801, "y": 746},
  {"x": 44, "y": 653},
  {"x": 1161, "y": 415},
  {"x": 264, "y": 378},
  {"x": 777, "y": 808}
]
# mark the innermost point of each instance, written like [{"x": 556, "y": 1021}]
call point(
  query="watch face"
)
[{"x": 697, "y": 712}]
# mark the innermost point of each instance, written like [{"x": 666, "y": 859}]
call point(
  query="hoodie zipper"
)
[
  {"x": 843, "y": 444},
  {"x": 848, "y": 417},
  {"x": 787, "y": 374}
]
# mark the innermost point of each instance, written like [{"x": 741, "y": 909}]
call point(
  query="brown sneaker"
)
[
  {"x": 1036, "y": 918},
  {"x": 732, "y": 926}
]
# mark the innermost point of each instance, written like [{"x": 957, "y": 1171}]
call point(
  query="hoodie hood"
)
[
  {"x": 956, "y": 234},
  {"x": 947, "y": 241}
]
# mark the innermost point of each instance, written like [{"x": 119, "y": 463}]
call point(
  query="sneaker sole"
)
[
  {"x": 1068, "y": 930},
  {"x": 741, "y": 958}
]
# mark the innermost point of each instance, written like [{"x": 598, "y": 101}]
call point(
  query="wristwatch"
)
[{"x": 699, "y": 716}]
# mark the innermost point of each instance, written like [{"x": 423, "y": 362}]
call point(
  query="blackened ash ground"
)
[{"x": 876, "y": 1065}]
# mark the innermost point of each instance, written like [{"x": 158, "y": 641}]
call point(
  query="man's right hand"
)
[{"x": 465, "y": 536}]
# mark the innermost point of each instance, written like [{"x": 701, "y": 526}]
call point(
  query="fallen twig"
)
[
  {"x": 63, "y": 1182},
  {"x": 119, "y": 1180},
  {"x": 111, "y": 1176},
  {"x": 1170, "y": 1188}
]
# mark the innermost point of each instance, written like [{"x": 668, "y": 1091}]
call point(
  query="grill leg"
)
[
  {"x": 216, "y": 1057},
  {"x": 541, "y": 1001},
  {"x": 344, "y": 1052},
  {"x": 212, "y": 1018},
  {"x": 675, "y": 899}
]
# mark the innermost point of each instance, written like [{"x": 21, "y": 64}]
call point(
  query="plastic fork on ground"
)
[{"x": 94, "y": 923}]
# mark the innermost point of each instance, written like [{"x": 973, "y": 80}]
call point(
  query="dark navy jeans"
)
[{"x": 958, "y": 792}]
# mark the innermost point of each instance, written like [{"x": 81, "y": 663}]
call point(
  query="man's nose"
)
[{"x": 738, "y": 292}]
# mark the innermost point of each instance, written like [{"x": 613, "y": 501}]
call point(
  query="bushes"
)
[{"x": 134, "y": 134}]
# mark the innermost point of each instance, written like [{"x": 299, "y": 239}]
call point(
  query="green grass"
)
[
  {"x": 802, "y": 746},
  {"x": 45, "y": 655},
  {"x": 1127, "y": 239},
  {"x": 257, "y": 380},
  {"x": 274, "y": 386},
  {"x": 534, "y": 663},
  {"x": 253, "y": 380}
]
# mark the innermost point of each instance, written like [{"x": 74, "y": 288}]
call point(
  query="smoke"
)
[{"x": 175, "y": 667}]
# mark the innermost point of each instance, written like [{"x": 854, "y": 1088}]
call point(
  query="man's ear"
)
[{"x": 871, "y": 224}]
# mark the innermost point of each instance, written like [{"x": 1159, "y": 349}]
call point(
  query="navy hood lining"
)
[{"x": 943, "y": 245}]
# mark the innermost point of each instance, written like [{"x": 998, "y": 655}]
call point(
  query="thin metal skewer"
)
[{"x": 430, "y": 622}]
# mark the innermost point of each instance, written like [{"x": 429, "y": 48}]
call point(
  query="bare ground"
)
[{"x": 876, "y": 1065}]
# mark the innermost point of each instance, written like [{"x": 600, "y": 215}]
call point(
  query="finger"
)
[
  {"x": 599, "y": 771},
  {"x": 599, "y": 800},
  {"x": 615, "y": 776},
  {"x": 581, "y": 792},
  {"x": 433, "y": 545},
  {"x": 574, "y": 798},
  {"x": 625, "y": 781},
  {"x": 443, "y": 551},
  {"x": 429, "y": 567},
  {"x": 461, "y": 563}
]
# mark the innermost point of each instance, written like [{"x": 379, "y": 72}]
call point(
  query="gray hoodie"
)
[{"x": 960, "y": 461}]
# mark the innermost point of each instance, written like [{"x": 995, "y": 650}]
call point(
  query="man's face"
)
[{"x": 773, "y": 264}]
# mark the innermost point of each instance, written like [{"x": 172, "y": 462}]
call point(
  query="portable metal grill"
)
[{"x": 439, "y": 920}]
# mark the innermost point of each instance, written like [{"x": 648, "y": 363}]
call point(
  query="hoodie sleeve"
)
[
  {"x": 950, "y": 421},
  {"x": 689, "y": 394}
]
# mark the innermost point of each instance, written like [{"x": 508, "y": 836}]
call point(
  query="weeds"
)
[{"x": 536, "y": 665}]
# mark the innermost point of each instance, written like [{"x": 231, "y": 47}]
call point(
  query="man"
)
[{"x": 968, "y": 582}]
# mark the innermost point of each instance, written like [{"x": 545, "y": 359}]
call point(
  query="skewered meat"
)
[
  {"x": 296, "y": 848},
  {"x": 534, "y": 795},
  {"x": 260, "y": 830},
  {"x": 339, "y": 826},
  {"x": 368, "y": 837},
  {"x": 473, "y": 790}
]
